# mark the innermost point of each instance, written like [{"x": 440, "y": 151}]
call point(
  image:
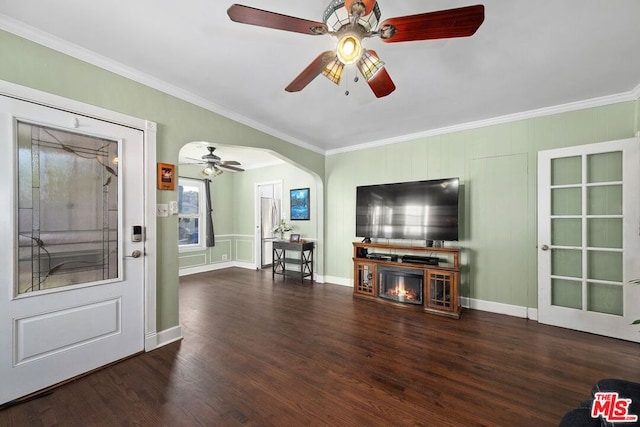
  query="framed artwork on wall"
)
[
  {"x": 166, "y": 176},
  {"x": 299, "y": 204}
]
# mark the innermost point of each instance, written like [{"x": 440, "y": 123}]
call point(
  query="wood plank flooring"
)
[{"x": 258, "y": 352}]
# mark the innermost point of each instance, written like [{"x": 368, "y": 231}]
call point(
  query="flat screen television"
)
[{"x": 418, "y": 210}]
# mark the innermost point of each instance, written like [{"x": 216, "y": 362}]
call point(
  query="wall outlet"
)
[{"x": 224, "y": 257}]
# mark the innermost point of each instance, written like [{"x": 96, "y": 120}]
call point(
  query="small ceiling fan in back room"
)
[
  {"x": 352, "y": 21},
  {"x": 214, "y": 165}
]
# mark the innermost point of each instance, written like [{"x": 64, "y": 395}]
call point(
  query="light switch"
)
[
  {"x": 173, "y": 207},
  {"x": 162, "y": 210}
]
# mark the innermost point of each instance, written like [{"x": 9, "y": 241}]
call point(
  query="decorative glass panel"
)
[
  {"x": 566, "y": 293},
  {"x": 566, "y": 201},
  {"x": 566, "y": 262},
  {"x": 604, "y": 232},
  {"x": 566, "y": 171},
  {"x": 603, "y": 265},
  {"x": 604, "y": 200},
  {"x": 604, "y": 167},
  {"x": 605, "y": 298},
  {"x": 67, "y": 208},
  {"x": 566, "y": 232}
]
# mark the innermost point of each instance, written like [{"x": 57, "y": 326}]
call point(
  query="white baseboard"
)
[
  {"x": 162, "y": 338},
  {"x": 500, "y": 308},
  {"x": 204, "y": 268},
  {"x": 213, "y": 267},
  {"x": 339, "y": 281}
]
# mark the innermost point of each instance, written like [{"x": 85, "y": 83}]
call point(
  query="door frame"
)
[{"x": 148, "y": 128}]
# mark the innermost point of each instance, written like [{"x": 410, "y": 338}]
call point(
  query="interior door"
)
[
  {"x": 588, "y": 238},
  {"x": 71, "y": 292}
]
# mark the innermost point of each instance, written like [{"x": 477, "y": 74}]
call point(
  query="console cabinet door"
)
[
  {"x": 442, "y": 291},
  {"x": 365, "y": 278}
]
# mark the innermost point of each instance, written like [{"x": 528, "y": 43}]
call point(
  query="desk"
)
[{"x": 285, "y": 265}]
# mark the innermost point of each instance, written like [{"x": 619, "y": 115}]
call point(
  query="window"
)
[{"x": 191, "y": 211}]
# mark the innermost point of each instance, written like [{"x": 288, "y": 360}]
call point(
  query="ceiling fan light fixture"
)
[
  {"x": 369, "y": 65},
  {"x": 208, "y": 169},
  {"x": 349, "y": 48},
  {"x": 333, "y": 70}
]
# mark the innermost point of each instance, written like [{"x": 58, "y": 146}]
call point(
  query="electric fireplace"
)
[{"x": 400, "y": 284}]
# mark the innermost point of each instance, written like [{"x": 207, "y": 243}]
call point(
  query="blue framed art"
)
[{"x": 299, "y": 202}]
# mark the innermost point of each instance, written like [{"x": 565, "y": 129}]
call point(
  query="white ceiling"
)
[{"x": 526, "y": 56}]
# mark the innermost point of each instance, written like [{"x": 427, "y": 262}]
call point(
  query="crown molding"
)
[
  {"x": 541, "y": 112},
  {"x": 48, "y": 40}
]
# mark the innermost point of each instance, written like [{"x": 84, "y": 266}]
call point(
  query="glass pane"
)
[
  {"x": 603, "y": 265},
  {"x": 188, "y": 200},
  {"x": 566, "y": 293},
  {"x": 566, "y": 262},
  {"x": 566, "y": 201},
  {"x": 605, "y": 298},
  {"x": 604, "y": 200},
  {"x": 604, "y": 232},
  {"x": 566, "y": 171},
  {"x": 566, "y": 232},
  {"x": 67, "y": 208},
  {"x": 188, "y": 231},
  {"x": 604, "y": 167}
]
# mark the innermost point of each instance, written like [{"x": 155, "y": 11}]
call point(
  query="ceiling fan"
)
[
  {"x": 351, "y": 21},
  {"x": 214, "y": 165}
]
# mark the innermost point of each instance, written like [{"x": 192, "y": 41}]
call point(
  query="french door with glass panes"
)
[
  {"x": 71, "y": 291},
  {"x": 588, "y": 238}
]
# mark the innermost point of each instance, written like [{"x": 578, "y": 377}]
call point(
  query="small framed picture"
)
[
  {"x": 294, "y": 238},
  {"x": 299, "y": 202},
  {"x": 166, "y": 176}
]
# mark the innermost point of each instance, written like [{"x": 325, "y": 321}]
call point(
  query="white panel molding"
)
[{"x": 46, "y": 334}]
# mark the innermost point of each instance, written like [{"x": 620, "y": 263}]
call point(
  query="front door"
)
[
  {"x": 588, "y": 238},
  {"x": 72, "y": 233}
]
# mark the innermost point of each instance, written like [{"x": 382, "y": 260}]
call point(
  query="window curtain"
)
[{"x": 211, "y": 238}]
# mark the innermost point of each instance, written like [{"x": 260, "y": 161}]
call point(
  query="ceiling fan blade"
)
[
  {"x": 460, "y": 22},
  {"x": 311, "y": 72},
  {"x": 229, "y": 162},
  {"x": 197, "y": 160},
  {"x": 381, "y": 83},
  {"x": 263, "y": 18},
  {"x": 229, "y": 167}
]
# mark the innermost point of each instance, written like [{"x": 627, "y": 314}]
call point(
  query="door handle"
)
[
  {"x": 134, "y": 254},
  {"x": 544, "y": 247}
]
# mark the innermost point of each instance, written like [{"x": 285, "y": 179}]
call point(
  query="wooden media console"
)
[{"x": 410, "y": 277}]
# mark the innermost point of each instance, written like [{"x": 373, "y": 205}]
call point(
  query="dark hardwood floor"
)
[{"x": 263, "y": 353}]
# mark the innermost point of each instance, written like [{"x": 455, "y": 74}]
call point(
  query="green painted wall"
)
[
  {"x": 497, "y": 165},
  {"x": 179, "y": 122},
  {"x": 291, "y": 177}
]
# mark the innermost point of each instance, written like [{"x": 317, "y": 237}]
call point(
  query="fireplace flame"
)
[{"x": 401, "y": 292}]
